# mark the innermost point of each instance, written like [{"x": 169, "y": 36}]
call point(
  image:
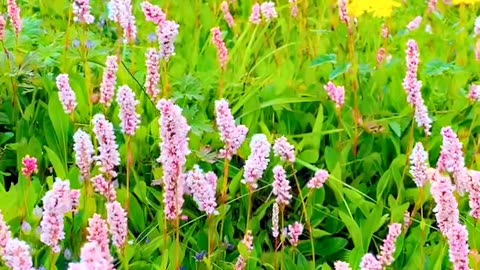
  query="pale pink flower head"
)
[
  {"x": 474, "y": 94},
  {"x": 294, "y": 232},
  {"x": 98, "y": 232},
  {"x": 66, "y": 94},
  {"x": 5, "y": 234},
  {"x": 167, "y": 33},
  {"x": 104, "y": 188},
  {"x": 451, "y": 156},
  {"x": 117, "y": 220},
  {"x": 432, "y": 5},
  {"x": 317, "y": 182},
  {"x": 293, "y": 8},
  {"x": 281, "y": 186},
  {"x": 81, "y": 11},
  {"x": 153, "y": 75},
  {"x": 419, "y": 165},
  {"x": 130, "y": 119},
  {"x": 84, "y": 152},
  {"x": 257, "y": 162},
  {"x": 222, "y": 50},
  {"x": 385, "y": 31},
  {"x": 108, "y": 157},
  {"x": 336, "y": 94},
  {"x": 232, "y": 135},
  {"x": 458, "y": 242},
  {"x": 120, "y": 11},
  {"x": 343, "y": 11},
  {"x": 153, "y": 13},
  {"x": 14, "y": 14},
  {"x": 339, "y": 265},
  {"x": 268, "y": 11},
  {"x": 388, "y": 247},
  {"x": 107, "y": 88},
  {"x": 227, "y": 15},
  {"x": 275, "y": 211},
  {"x": 241, "y": 264},
  {"x": 17, "y": 255},
  {"x": 3, "y": 25},
  {"x": 381, "y": 55},
  {"x": 255, "y": 17},
  {"x": 30, "y": 166},
  {"x": 474, "y": 193},
  {"x": 446, "y": 209},
  {"x": 202, "y": 189},
  {"x": 415, "y": 23},
  {"x": 284, "y": 150},
  {"x": 369, "y": 262},
  {"x": 91, "y": 258},
  {"x": 248, "y": 241}
]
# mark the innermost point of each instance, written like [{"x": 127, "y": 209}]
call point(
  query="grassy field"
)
[{"x": 382, "y": 173}]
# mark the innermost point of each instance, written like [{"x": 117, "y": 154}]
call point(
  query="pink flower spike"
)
[
  {"x": 317, "y": 182},
  {"x": 281, "y": 186},
  {"x": 117, "y": 220},
  {"x": 458, "y": 242},
  {"x": 294, "y": 232},
  {"x": 167, "y": 33},
  {"x": 284, "y": 150},
  {"x": 17, "y": 255},
  {"x": 257, "y": 161},
  {"x": 120, "y": 11},
  {"x": 248, "y": 241},
  {"x": 66, "y": 94},
  {"x": 109, "y": 157},
  {"x": 343, "y": 11},
  {"x": 446, "y": 209},
  {"x": 275, "y": 211},
  {"x": 336, "y": 94},
  {"x": 104, "y": 188},
  {"x": 255, "y": 17},
  {"x": 451, "y": 158},
  {"x": 202, "y": 189},
  {"x": 268, "y": 11},
  {"x": 3, "y": 25},
  {"x": 91, "y": 258},
  {"x": 339, "y": 265},
  {"x": 153, "y": 13},
  {"x": 293, "y": 8},
  {"x": 84, "y": 151},
  {"x": 14, "y": 14},
  {"x": 432, "y": 6},
  {"x": 222, "y": 50},
  {"x": 107, "y": 88},
  {"x": 474, "y": 193},
  {"x": 419, "y": 165},
  {"x": 381, "y": 55},
  {"x": 5, "y": 234},
  {"x": 81, "y": 11},
  {"x": 130, "y": 119},
  {"x": 30, "y": 166},
  {"x": 474, "y": 94},
  {"x": 227, "y": 15},
  {"x": 369, "y": 262},
  {"x": 231, "y": 135},
  {"x": 388, "y": 247},
  {"x": 153, "y": 75},
  {"x": 241, "y": 264},
  {"x": 98, "y": 232},
  {"x": 415, "y": 23}
]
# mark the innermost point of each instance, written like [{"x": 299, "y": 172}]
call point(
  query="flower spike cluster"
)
[
  {"x": 81, "y": 11},
  {"x": 84, "y": 151},
  {"x": 30, "y": 166},
  {"x": 419, "y": 165},
  {"x": 167, "y": 33},
  {"x": 130, "y": 119},
  {"x": 227, "y": 15},
  {"x": 336, "y": 94},
  {"x": 284, "y": 150},
  {"x": 108, "y": 157},
  {"x": 120, "y": 11},
  {"x": 66, "y": 94},
  {"x": 14, "y": 14},
  {"x": 117, "y": 220},
  {"x": 231, "y": 135},
  {"x": 281, "y": 186},
  {"x": 153, "y": 13},
  {"x": 107, "y": 88},
  {"x": 153, "y": 75},
  {"x": 257, "y": 162},
  {"x": 203, "y": 189}
]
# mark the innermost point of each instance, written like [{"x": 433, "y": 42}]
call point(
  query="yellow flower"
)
[
  {"x": 467, "y": 2},
  {"x": 378, "y": 8}
]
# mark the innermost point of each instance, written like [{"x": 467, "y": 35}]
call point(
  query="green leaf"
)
[
  {"x": 309, "y": 155},
  {"x": 57, "y": 164},
  {"x": 437, "y": 67},
  {"x": 339, "y": 71},
  {"x": 330, "y": 58}
]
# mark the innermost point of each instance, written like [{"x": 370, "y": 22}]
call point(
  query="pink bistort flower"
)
[
  {"x": 458, "y": 242},
  {"x": 17, "y": 255},
  {"x": 117, "y": 220},
  {"x": 120, "y": 11},
  {"x": 257, "y": 161},
  {"x": 108, "y": 157},
  {"x": 222, "y": 50},
  {"x": 268, "y": 11},
  {"x": 129, "y": 118},
  {"x": 255, "y": 17},
  {"x": 202, "y": 189},
  {"x": 153, "y": 13},
  {"x": 14, "y": 14},
  {"x": 153, "y": 75},
  {"x": 474, "y": 94},
  {"x": 3, "y": 25},
  {"x": 415, "y": 23},
  {"x": 104, "y": 188},
  {"x": 167, "y": 33},
  {"x": 369, "y": 262},
  {"x": 91, "y": 258},
  {"x": 343, "y": 11},
  {"x": 336, "y": 94},
  {"x": 293, "y": 8},
  {"x": 84, "y": 151},
  {"x": 231, "y": 135},
  {"x": 388, "y": 247},
  {"x": 321, "y": 176},
  {"x": 81, "y": 11},
  {"x": 248, "y": 241},
  {"x": 294, "y": 232},
  {"x": 30, "y": 166},
  {"x": 339, "y": 265},
  {"x": 474, "y": 193},
  {"x": 5, "y": 234},
  {"x": 446, "y": 209},
  {"x": 281, "y": 186},
  {"x": 419, "y": 165},
  {"x": 227, "y": 15},
  {"x": 66, "y": 94},
  {"x": 107, "y": 88},
  {"x": 284, "y": 150}
]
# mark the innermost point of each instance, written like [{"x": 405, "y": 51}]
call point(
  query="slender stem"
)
[
  {"x": 356, "y": 112},
  {"x": 221, "y": 87},
  {"x": 67, "y": 40},
  {"x": 53, "y": 265},
  {"x": 178, "y": 244},
  {"x": 249, "y": 211},
  {"x": 223, "y": 198},
  {"x": 307, "y": 220},
  {"x": 129, "y": 164},
  {"x": 211, "y": 241}
]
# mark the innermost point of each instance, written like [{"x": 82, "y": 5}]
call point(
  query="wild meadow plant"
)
[{"x": 239, "y": 135}]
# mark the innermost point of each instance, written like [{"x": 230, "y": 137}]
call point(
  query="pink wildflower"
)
[
  {"x": 130, "y": 119},
  {"x": 255, "y": 17},
  {"x": 66, "y": 94},
  {"x": 167, "y": 33},
  {"x": 336, "y": 94},
  {"x": 81, "y": 11},
  {"x": 381, "y": 55},
  {"x": 343, "y": 10},
  {"x": 388, "y": 247},
  {"x": 241, "y": 264},
  {"x": 369, "y": 262},
  {"x": 3, "y": 25},
  {"x": 91, "y": 258},
  {"x": 107, "y": 88},
  {"x": 281, "y": 186},
  {"x": 203, "y": 190},
  {"x": 153, "y": 13},
  {"x": 293, "y": 8},
  {"x": 120, "y": 11},
  {"x": 413, "y": 87},
  {"x": 432, "y": 5},
  {"x": 14, "y": 14},
  {"x": 30, "y": 166},
  {"x": 419, "y": 165},
  {"x": 153, "y": 76},
  {"x": 268, "y": 11},
  {"x": 174, "y": 149},
  {"x": 98, "y": 232},
  {"x": 104, "y": 188},
  {"x": 451, "y": 158},
  {"x": 284, "y": 150},
  {"x": 233, "y": 136},
  {"x": 227, "y": 15},
  {"x": 257, "y": 162},
  {"x": 5, "y": 234},
  {"x": 474, "y": 94},
  {"x": 321, "y": 176},
  {"x": 415, "y": 23},
  {"x": 275, "y": 211},
  {"x": 109, "y": 157},
  {"x": 17, "y": 255},
  {"x": 294, "y": 231},
  {"x": 385, "y": 31},
  {"x": 339, "y": 265},
  {"x": 458, "y": 242},
  {"x": 248, "y": 241},
  {"x": 474, "y": 193},
  {"x": 222, "y": 50},
  {"x": 446, "y": 210},
  {"x": 117, "y": 219},
  {"x": 84, "y": 151}
]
